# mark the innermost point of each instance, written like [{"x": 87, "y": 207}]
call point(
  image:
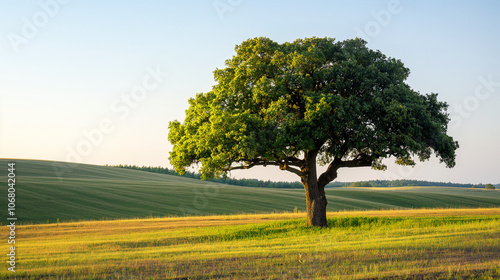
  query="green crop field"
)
[
  {"x": 140, "y": 229},
  {"x": 49, "y": 191},
  {"x": 402, "y": 244}
]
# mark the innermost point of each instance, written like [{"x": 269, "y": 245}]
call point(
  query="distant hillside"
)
[
  {"x": 237, "y": 182},
  {"x": 49, "y": 191},
  {"x": 295, "y": 185}
]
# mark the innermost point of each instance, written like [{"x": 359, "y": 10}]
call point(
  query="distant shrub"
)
[
  {"x": 489, "y": 187},
  {"x": 360, "y": 185}
]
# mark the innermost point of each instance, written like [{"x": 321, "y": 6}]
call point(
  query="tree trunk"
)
[
  {"x": 316, "y": 204},
  {"x": 315, "y": 194}
]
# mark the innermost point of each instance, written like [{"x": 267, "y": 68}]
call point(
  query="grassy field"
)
[
  {"x": 49, "y": 192},
  {"x": 182, "y": 239},
  {"x": 391, "y": 244}
]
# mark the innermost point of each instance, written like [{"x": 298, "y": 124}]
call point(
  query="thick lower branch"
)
[
  {"x": 361, "y": 162},
  {"x": 283, "y": 165},
  {"x": 293, "y": 170},
  {"x": 331, "y": 173}
]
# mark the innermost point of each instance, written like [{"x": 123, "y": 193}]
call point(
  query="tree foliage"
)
[
  {"x": 274, "y": 101},
  {"x": 311, "y": 101}
]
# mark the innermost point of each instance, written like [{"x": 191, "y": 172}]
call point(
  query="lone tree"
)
[{"x": 313, "y": 101}]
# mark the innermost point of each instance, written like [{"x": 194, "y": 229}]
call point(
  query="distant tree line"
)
[
  {"x": 298, "y": 185},
  {"x": 230, "y": 181},
  {"x": 406, "y": 183}
]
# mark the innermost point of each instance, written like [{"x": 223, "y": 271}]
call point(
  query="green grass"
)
[
  {"x": 90, "y": 192},
  {"x": 394, "y": 244}
]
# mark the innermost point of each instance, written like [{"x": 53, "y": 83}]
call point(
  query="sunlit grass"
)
[{"x": 445, "y": 242}]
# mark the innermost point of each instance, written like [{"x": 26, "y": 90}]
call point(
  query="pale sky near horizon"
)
[{"x": 98, "y": 81}]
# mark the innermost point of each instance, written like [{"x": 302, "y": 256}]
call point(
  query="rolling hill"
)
[{"x": 48, "y": 191}]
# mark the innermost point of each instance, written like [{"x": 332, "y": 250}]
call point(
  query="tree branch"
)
[
  {"x": 293, "y": 170},
  {"x": 285, "y": 164},
  {"x": 361, "y": 160},
  {"x": 330, "y": 174},
  {"x": 242, "y": 167}
]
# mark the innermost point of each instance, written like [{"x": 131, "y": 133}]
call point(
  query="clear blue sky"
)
[{"x": 71, "y": 68}]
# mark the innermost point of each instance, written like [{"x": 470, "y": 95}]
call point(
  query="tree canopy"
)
[{"x": 312, "y": 101}]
